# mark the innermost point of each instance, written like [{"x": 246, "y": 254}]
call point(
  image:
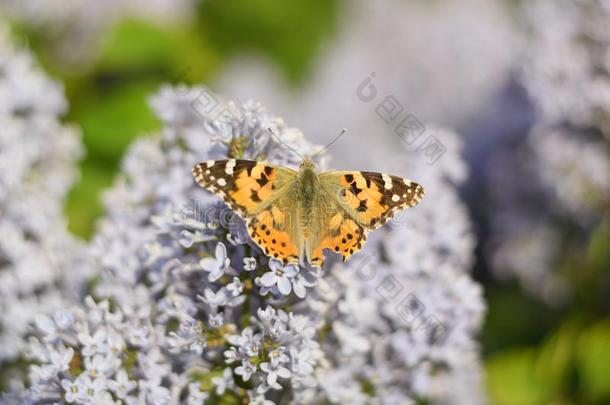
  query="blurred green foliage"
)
[
  {"x": 527, "y": 364},
  {"x": 289, "y": 32},
  {"x": 569, "y": 367}
]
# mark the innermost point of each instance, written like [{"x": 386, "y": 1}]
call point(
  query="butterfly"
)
[{"x": 294, "y": 216}]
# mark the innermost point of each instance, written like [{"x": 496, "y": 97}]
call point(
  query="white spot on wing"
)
[
  {"x": 230, "y": 165},
  {"x": 221, "y": 182},
  {"x": 395, "y": 198},
  {"x": 387, "y": 181},
  {"x": 209, "y": 163}
]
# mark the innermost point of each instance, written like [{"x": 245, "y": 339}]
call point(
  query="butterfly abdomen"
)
[{"x": 305, "y": 195}]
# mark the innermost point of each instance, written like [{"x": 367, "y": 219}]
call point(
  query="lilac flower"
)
[
  {"x": 90, "y": 389},
  {"x": 93, "y": 344},
  {"x": 275, "y": 369},
  {"x": 235, "y": 287},
  {"x": 245, "y": 370},
  {"x": 60, "y": 358},
  {"x": 214, "y": 299},
  {"x": 279, "y": 275},
  {"x": 71, "y": 390},
  {"x": 98, "y": 365},
  {"x": 42, "y": 267},
  {"x": 196, "y": 395},
  {"x": 249, "y": 263},
  {"x": 172, "y": 326},
  {"x": 223, "y": 382},
  {"x": 121, "y": 385},
  {"x": 564, "y": 155},
  {"x": 152, "y": 392},
  {"x": 216, "y": 266},
  {"x": 190, "y": 334},
  {"x": 247, "y": 343}
]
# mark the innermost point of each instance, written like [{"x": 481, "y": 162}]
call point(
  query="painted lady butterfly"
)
[{"x": 294, "y": 215}]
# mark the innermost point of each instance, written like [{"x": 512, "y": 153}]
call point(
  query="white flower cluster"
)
[
  {"x": 568, "y": 69},
  {"x": 39, "y": 270},
  {"x": 187, "y": 308},
  {"x": 565, "y": 178},
  {"x": 568, "y": 75}
]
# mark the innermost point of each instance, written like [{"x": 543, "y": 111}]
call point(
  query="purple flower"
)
[
  {"x": 217, "y": 265},
  {"x": 279, "y": 275}
]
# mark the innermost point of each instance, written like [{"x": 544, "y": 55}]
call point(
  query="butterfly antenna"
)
[
  {"x": 343, "y": 131},
  {"x": 281, "y": 141}
]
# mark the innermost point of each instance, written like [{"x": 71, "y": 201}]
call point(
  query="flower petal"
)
[
  {"x": 283, "y": 372},
  {"x": 221, "y": 252},
  {"x": 299, "y": 289},
  {"x": 283, "y": 284},
  {"x": 269, "y": 279},
  {"x": 208, "y": 264}
]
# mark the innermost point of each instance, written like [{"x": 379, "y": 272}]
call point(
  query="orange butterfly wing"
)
[
  {"x": 353, "y": 204},
  {"x": 257, "y": 193}
]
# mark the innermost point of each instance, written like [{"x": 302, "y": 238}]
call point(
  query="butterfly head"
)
[{"x": 307, "y": 164}]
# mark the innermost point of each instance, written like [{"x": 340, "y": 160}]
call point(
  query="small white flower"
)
[
  {"x": 217, "y": 265},
  {"x": 278, "y": 356},
  {"x": 248, "y": 342},
  {"x": 154, "y": 365},
  {"x": 231, "y": 355},
  {"x": 249, "y": 263},
  {"x": 273, "y": 372},
  {"x": 214, "y": 299},
  {"x": 98, "y": 365},
  {"x": 223, "y": 382},
  {"x": 266, "y": 315},
  {"x": 155, "y": 394},
  {"x": 61, "y": 358},
  {"x": 279, "y": 275},
  {"x": 216, "y": 320},
  {"x": 235, "y": 287},
  {"x": 259, "y": 399},
  {"x": 196, "y": 396},
  {"x": 121, "y": 385},
  {"x": 245, "y": 370},
  {"x": 302, "y": 361},
  {"x": 71, "y": 390},
  {"x": 93, "y": 344},
  {"x": 138, "y": 336},
  {"x": 90, "y": 389},
  {"x": 47, "y": 326},
  {"x": 187, "y": 239}
]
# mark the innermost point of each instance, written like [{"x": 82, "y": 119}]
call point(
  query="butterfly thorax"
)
[{"x": 306, "y": 188}]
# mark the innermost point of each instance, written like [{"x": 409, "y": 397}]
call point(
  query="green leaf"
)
[
  {"x": 512, "y": 378},
  {"x": 113, "y": 120},
  {"x": 161, "y": 50},
  {"x": 83, "y": 205},
  {"x": 291, "y": 33},
  {"x": 593, "y": 360},
  {"x": 598, "y": 251},
  {"x": 556, "y": 358}
]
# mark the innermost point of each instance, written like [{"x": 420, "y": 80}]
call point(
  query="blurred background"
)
[{"x": 525, "y": 83}]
